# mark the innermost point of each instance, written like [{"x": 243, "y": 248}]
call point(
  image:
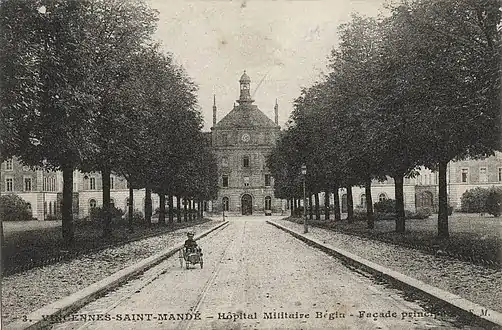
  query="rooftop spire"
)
[
  {"x": 276, "y": 112},
  {"x": 214, "y": 110}
]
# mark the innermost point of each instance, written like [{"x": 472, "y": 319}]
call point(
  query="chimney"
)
[
  {"x": 214, "y": 110},
  {"x": 276, "y": 110}
]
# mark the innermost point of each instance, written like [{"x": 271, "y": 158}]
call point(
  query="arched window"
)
[
  {"x": 50, "y": 208},
  {"x": 363, "y": 199},
  {"x": 382, "y": 197},
  {"x": 225, "y": 204},
  {"x": 268, "y": 203},
  {"x": 92, "y": 203}
]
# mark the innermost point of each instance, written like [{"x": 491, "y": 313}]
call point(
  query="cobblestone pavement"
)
[
  {"x": 473, "y": 282},
  {"x": 27, "y": 291},
  {"x": 255, "y": 276}
]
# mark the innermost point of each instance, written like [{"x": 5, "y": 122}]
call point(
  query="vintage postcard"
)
[{"x": 251, "y": 164}]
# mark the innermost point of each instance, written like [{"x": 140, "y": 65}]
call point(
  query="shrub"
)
[
  {"x": 359, "y": 214},
  {"x": 137, "y": 217},
  {"x": 422, "y": 213},
  {"x": 97, "y": 214},
  {"x": 14, "y": 208},
  {"x": 493, "y": 203},
  {"x": 385, "y": 206},
  {"x": 474, "y": 200},
  {"x": 385, "y": 216}
]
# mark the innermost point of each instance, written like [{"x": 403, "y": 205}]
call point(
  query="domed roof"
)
[
  {"x": 245, "y": 117},
  {"x": 244, "y": 77}
]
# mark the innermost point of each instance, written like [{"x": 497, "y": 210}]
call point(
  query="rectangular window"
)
[
  {"x": 246, "y": 181},
  {"x": 483, "y": 177},
  {"x": 92, "y": 183},
  {"x": 9, "y": 184},
  {"x": 246, "y": 161},
  {"x": 8, "y": 165},
  {"x": 112, "y": 182},
  {"x": 27, "y": 184},
  {"x": 267, "y": 180},
  {"x": 500, "y": 174},
  {"x": 465, "y": 174},
  {"x": 225, "y": 181}
]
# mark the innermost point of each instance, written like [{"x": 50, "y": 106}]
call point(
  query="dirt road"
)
[{"x": 255, "y": 277}]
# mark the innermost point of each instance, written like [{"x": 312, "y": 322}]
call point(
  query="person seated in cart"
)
[{"x": 190, "y": 244}]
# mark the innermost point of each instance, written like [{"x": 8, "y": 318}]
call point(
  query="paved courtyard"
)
[{"x": 255, "y": 277}]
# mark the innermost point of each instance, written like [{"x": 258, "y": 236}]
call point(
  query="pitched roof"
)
[{"x": 245, "y": 115}]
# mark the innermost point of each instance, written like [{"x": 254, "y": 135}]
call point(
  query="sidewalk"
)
[
  {"x": 28, "y": 291},
  {"x": 472, "y": 282}
]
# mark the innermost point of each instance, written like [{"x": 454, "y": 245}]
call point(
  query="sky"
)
[{"x": 282, "y": 45}]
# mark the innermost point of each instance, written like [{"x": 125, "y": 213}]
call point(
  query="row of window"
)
[
  {"x": 50, "y": 184},
  {"x": 9, "y": 184},
  {"x": 381, "y": 198},
  {"x": 483, "y": 174},
  {"x": 246, "y": 181},
  {"x": 225, "y": 202},
  {"x": 90, "y": 183},
  {"x": 245, "y": 162}
]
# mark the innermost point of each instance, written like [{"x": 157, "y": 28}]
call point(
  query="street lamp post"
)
[{"x": 305, "y": 226}]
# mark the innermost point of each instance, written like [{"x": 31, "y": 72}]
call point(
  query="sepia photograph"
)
[{"x": 251, "y": 164}]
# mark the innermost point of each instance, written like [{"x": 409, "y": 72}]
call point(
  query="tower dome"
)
[{"x": 245, "y": 78}]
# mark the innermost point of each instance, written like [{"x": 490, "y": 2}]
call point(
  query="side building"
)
[{"x": 42, "y": 190}]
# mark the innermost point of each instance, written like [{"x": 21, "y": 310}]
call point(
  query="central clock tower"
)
[{"x": 241, "y": 142}]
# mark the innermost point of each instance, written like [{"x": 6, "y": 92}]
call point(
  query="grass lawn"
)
[
  {"x": 38, "y": 243},
  {"x": 472, "y": 237}
]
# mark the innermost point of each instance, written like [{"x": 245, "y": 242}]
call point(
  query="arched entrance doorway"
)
[{"x": 247, "y": 204}]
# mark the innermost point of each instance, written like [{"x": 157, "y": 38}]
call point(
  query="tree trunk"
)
[
  {"x": 178, "y": 208},
  {"x": 297, "y": 206},
  {"x": 399, "y": 193},
  {"x": 201, "y": 209},
  {"x": 67, "y": 210},
  {"x": 350, "y": 205},
  {"x": 185, "y": 209},
  {"x": 443, "y": 202},
  {"x": 148, "y": 206},
  {"x": 130, "y": 208},
  {"x": 171, "y": 204},
  {"x": 336, "y": 204},
  {"x": 107, "y": 214},
  {"x": 311, "y": 209},
  {"x": 326, "y": 205},
  {"x": 317, "y": 210},
  {"x": 370, "y": 222},
  {"x": 162, "y": 209},
  {"x": 190, "y": 210},
  {"x": 293, "y": 207},
  {"x": 1, "y": 233}
]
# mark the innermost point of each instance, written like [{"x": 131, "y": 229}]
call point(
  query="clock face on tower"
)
[{"x": 245, "y": 137}]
